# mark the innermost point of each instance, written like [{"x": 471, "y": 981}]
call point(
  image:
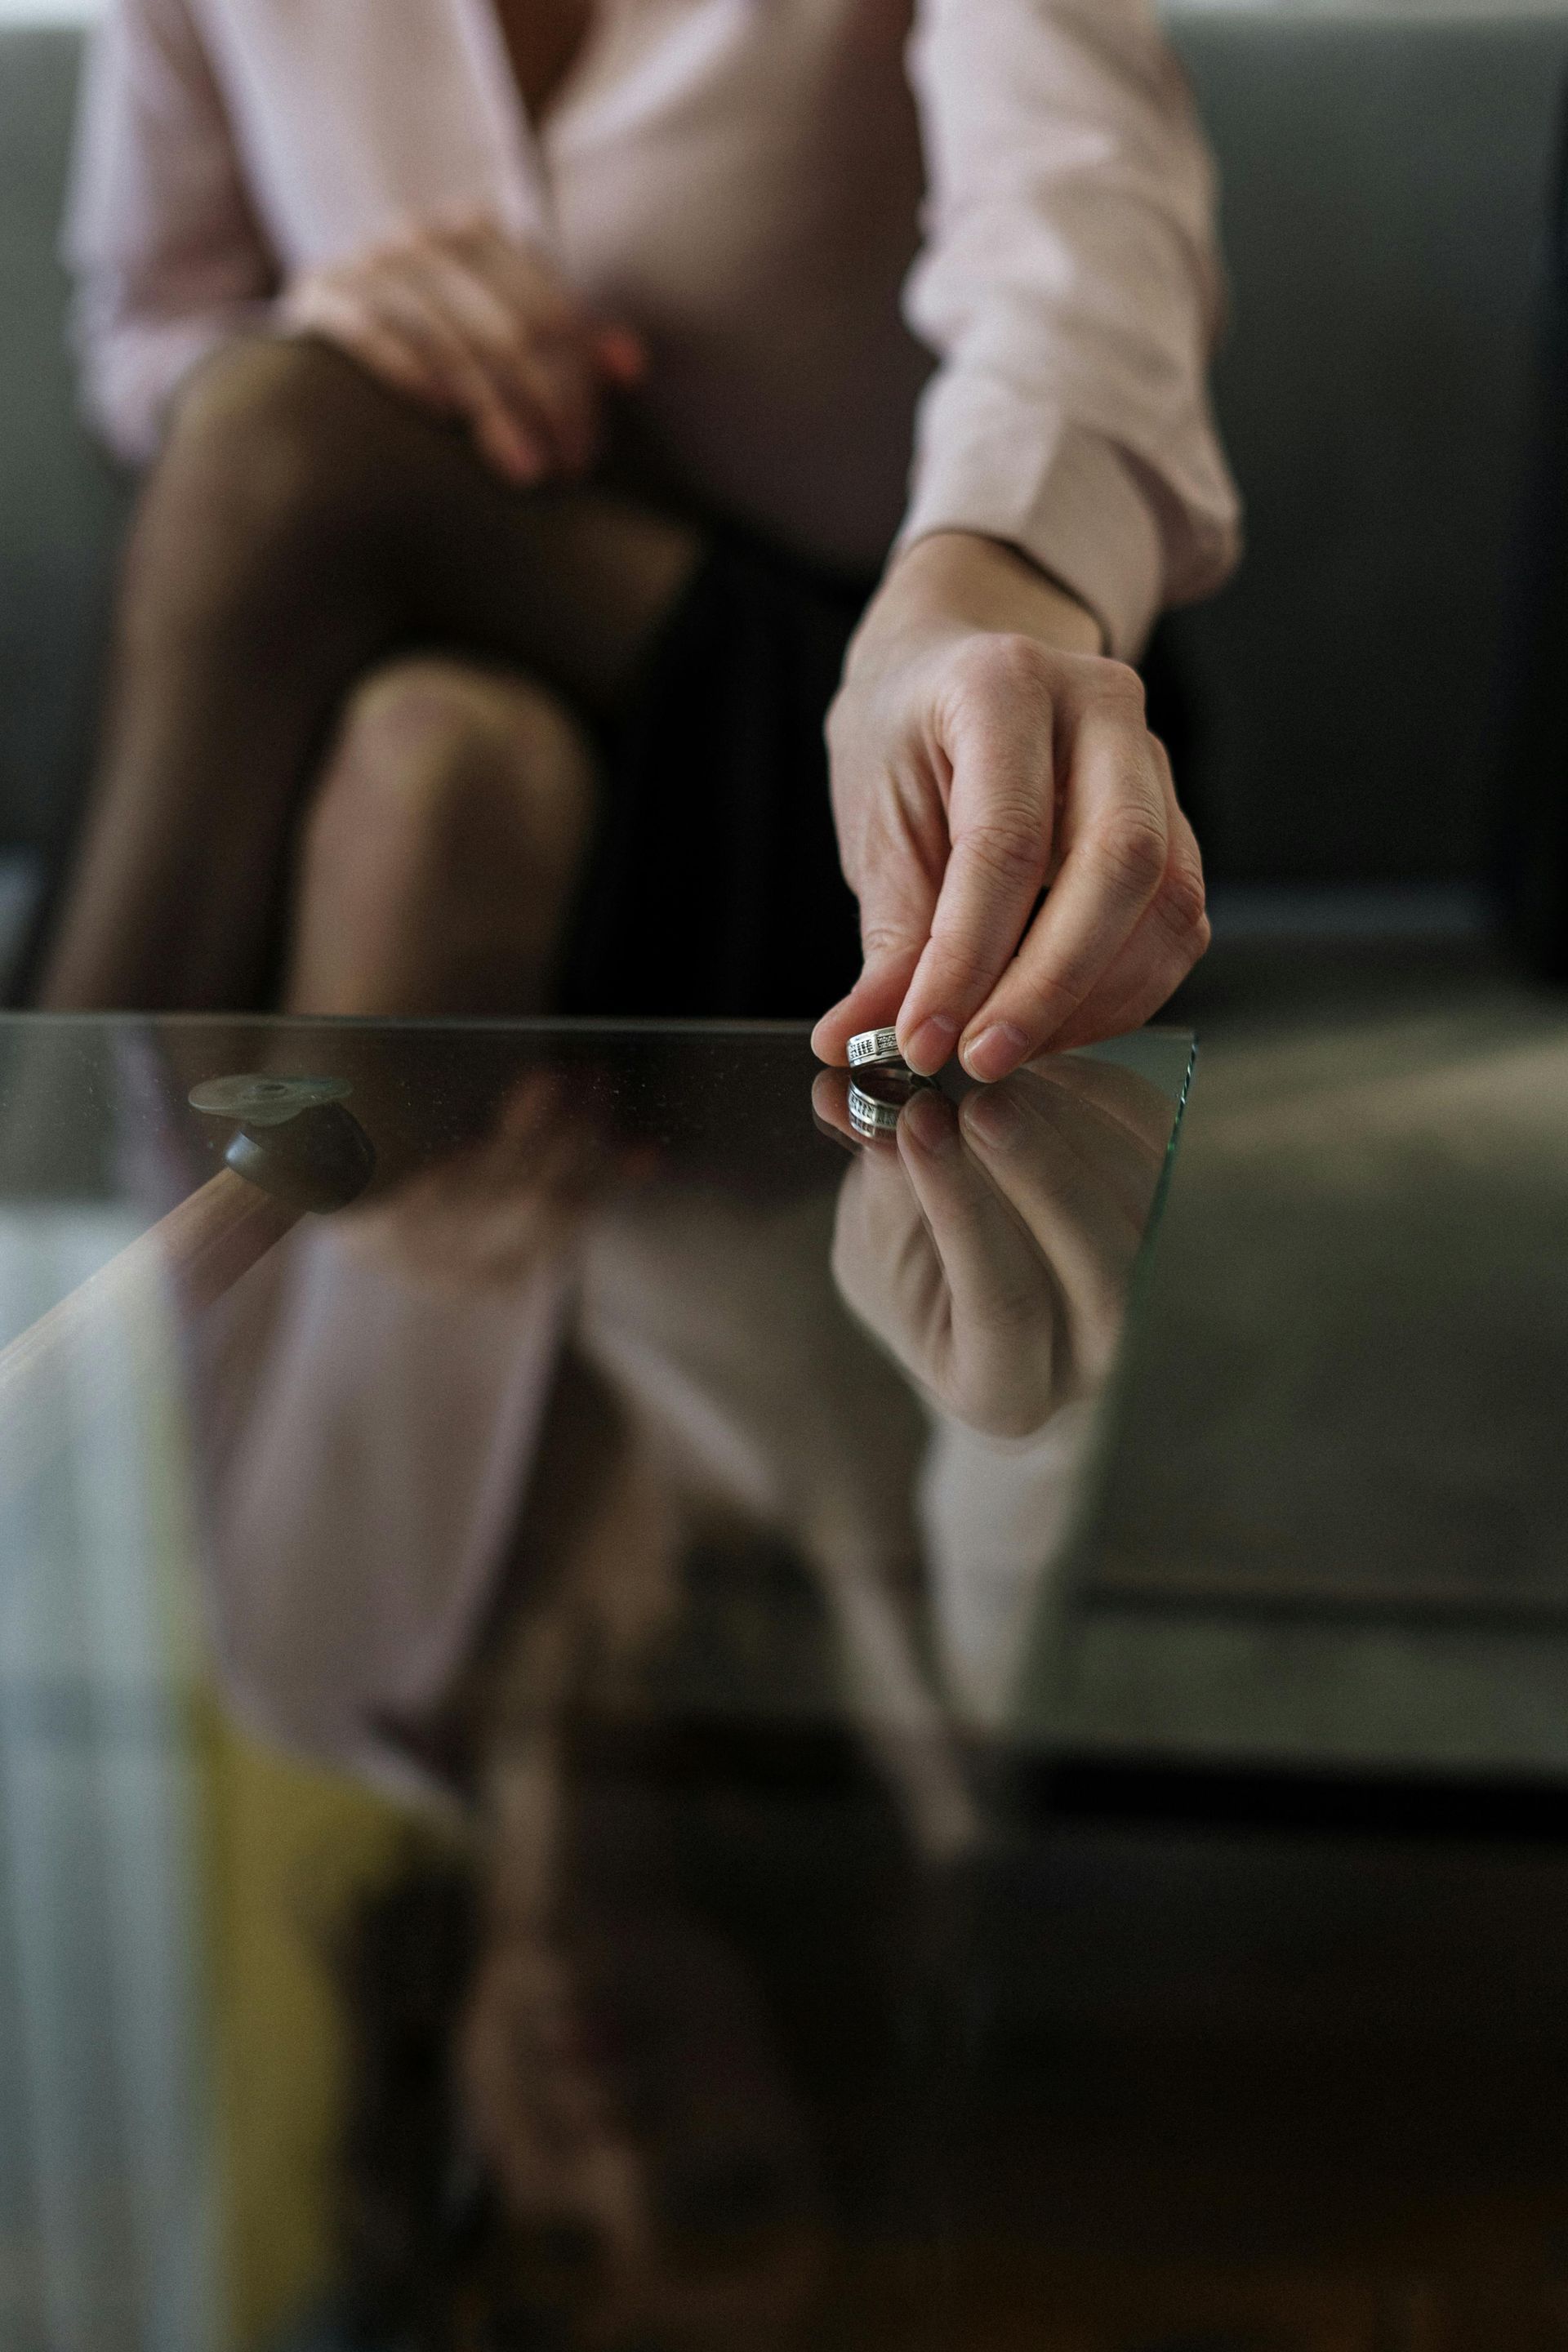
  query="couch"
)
[{"x": 1385, "y": 186}]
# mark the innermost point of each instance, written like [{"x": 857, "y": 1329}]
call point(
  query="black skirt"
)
[{"x": 714, "y": 888}]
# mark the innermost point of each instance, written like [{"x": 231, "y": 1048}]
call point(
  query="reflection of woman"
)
[
  {"x": 567, "y": 2101},
  {"x": 583, "y": 2047},
  {"x": 568, "y": 2093},
  {"x": 530, "y": 408}
]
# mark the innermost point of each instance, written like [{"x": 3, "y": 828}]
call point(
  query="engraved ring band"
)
[
  {"x": 869, "y": 1117},
  {"x": 874, "y": 1046}
]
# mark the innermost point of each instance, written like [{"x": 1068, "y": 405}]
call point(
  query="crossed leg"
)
[
  {"x": 439, "y": 857},
  {"x": 279, "y": 761}
]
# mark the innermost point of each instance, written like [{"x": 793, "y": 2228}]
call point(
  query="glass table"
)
[
  {"x": 541, "y": 1570},
  {"x": 496, "y": 1520}
]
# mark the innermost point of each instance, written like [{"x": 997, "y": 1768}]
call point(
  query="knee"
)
[
  {"x": 271, "y": 441},
  {"x": 445, "y": 772}
]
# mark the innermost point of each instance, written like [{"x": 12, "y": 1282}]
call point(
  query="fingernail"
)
[
  {"x": 994, "y": 1119},
  {"x": 996, "y": 1052},
  {"x": 931, "y": 1044},
  {"x": 927, "y": 1118}
]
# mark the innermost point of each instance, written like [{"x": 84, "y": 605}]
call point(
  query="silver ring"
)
[
  {"x": 870, "y": 1117},
  {"x": 874, "y": 1046}
]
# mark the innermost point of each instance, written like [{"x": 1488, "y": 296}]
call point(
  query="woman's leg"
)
[
  {"x": 301, "y": 525},
  {"x": 439, "y": 860}
]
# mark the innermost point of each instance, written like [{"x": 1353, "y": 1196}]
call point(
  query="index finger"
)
[
  {"x": 1087, "y": 1231},
  {"x": 522, "y": 275},
  {"x": 997, "y": 1275},
  {"x": 1000, "y": 810},
  {"x": 1116, "y": 838},
  {"x": 412, "y": 289}
]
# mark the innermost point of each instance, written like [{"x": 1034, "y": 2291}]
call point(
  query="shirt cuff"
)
[
  {"x": 133, "y": 370},
  {"x": 1062, "y": 495}
]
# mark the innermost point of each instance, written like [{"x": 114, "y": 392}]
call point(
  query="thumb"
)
[{"x": 895, "y": 924}]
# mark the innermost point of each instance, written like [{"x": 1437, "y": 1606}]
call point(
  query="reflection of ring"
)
[
  {"x": 871, "y": 1115},
  {"x": 874, "y": 1046}
]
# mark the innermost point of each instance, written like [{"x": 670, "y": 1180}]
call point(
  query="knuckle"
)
[
  {"x": 964, "y": 974},
  {"x": 1008, "y": 850},
  {"x": 1130, "y": 850},
  {"x": 1119, "y": 687},
  {"x": 1183, "y": 902},
  {"x": 1188, "y": 944},
  {"x": 883, "y": 936},
  {"x": 1008, "y": 667}
]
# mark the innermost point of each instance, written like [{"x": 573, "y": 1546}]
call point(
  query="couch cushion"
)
[
  {"x": 1385, "y": 194},
  {"x": 59, "y": 506}
]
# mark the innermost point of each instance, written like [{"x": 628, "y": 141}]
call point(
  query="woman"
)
[{"x": 530, "y": 404}]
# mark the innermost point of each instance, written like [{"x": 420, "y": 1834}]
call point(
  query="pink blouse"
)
[{"x": 983, "y": 241}]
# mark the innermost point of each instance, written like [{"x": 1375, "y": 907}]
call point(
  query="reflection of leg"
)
[
  {"x": 441, "y": 853},
  {"x": 301, "y": 523}
]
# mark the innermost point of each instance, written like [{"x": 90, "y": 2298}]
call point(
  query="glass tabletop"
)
[
  {"x": 353, "y": 1303},
  {"x": 520, "y": 1548}
]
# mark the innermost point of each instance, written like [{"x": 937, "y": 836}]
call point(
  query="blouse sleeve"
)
[
  {"x": 167, "y": 254},
  {"x": 1069, "y": 284}
]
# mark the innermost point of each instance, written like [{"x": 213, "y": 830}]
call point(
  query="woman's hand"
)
[
  {"x": 990, "y": 1251},
  {"x": 982, "y": 749},
  {"x": 470, "y": 321}
]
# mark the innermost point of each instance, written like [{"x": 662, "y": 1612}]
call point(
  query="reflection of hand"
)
[
  {"x": 470, "y": 321},
  {"x": 990, "y": 1251},
  {"x": 497, "y": 1209}
]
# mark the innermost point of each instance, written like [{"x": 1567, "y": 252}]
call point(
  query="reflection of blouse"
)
[
  {"x": 366, "y": 1441},
  {"x": 365, "y": 1445},
  {"x": 741, "y": 180}
]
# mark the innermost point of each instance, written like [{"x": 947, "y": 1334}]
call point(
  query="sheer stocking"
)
[{"x": 303, "y": 528}]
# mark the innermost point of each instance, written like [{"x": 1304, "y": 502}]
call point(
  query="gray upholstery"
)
[
  {"x": 1385, "y": 186},
  {"x": 59, "y": 505}
]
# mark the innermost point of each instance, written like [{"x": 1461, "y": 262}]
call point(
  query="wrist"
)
[{"x": 956, "y": 583}]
